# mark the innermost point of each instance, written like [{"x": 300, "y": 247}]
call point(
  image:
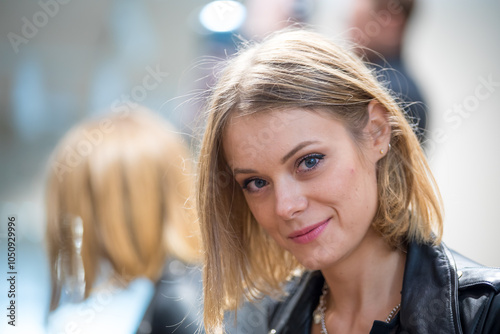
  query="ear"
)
[{"x": 378, "y": 131}]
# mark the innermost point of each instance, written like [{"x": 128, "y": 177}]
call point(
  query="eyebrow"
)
[
  {"x": 243, "y": 171},
  {"x": 296, "y": 149}
]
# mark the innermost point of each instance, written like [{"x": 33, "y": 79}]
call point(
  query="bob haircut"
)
[
  {"x": 299, "y": 69},
  {"x": 128, "y": 178}
]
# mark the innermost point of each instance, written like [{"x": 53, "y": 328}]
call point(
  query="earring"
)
[{"x": 381, "y": 151}]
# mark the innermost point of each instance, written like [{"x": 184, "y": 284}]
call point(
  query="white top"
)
[{"x": 108, "y": 309}]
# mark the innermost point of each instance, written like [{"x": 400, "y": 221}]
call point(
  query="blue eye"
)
[
  {"x": 259, "y": 183},
  {"x": 254, "y": 185},
  {"x": 310, "y": 162}
]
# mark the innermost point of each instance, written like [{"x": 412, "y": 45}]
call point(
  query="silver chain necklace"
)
[{"x": 319, "y": 312}]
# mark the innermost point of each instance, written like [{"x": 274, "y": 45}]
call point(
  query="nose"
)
[{"x": 290, "y": 200}]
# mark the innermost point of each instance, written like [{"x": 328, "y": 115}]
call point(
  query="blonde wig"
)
[
  {"x": 127, "y": 178},
  {"x": 299, "y": 69}
]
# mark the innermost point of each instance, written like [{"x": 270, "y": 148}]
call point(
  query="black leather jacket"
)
[{"x": 443, "y": 292}]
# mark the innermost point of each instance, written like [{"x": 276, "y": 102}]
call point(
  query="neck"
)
[{"x": 367, "y": 283}]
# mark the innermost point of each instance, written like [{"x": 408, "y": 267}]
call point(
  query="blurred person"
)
[
  {"x": 378, "y": 27},
  {"x": 313, "y": 189},
  {"x": 119, "y": 221}
]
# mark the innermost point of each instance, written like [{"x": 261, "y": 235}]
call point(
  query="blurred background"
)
[{"x": 66, "y": 60}]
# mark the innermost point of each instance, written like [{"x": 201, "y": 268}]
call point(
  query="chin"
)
[
  {"x": 318, "y": 261},
  {"x": 311, "y": 263}
]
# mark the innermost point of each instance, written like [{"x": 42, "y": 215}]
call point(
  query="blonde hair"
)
[
  {"x": 299, "y": 69},
  {"x": 128, "y": 178}
]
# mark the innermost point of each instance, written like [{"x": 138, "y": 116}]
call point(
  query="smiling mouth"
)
[{"x": 309, "y": 233}]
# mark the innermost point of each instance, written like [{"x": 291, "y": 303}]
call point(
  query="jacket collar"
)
[{"x": 429, "y": 302}]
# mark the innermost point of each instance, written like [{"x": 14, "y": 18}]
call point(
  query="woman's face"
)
[{"x": 305, "y": 181}]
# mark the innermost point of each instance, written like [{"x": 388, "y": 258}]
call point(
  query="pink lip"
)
[{"x": 309, "y": 233}]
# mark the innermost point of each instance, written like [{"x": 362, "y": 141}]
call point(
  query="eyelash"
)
[
  {"x": 317, "y": 156},
  {"x": 247, "y": 182}
]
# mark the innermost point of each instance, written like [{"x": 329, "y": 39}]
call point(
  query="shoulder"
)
[
  {"x": 251, "y": 317},
  {"x": 292, "y": 314},
  {"x": 472, "y": 274},
  {"x": 478, "y": 295}
]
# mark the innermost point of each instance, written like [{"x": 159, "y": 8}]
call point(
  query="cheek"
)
[
  {"x": 261, "y": 213},
  {"x": 351, "y": 190},
  {"x": 265, "y": 217},
  {"x": 366, "y": 194},
  {"x": 338, "y": 184}
]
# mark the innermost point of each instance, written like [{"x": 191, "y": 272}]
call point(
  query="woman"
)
[
  {"x": 310, "y": 174},
  {"x": 119, "y": 219}
]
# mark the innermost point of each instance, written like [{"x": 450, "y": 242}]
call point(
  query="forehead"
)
[
  {"x": 252, "y": 135},
  {"x": 265, "y": 122},
  {"x": 266, "y": 125}
]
